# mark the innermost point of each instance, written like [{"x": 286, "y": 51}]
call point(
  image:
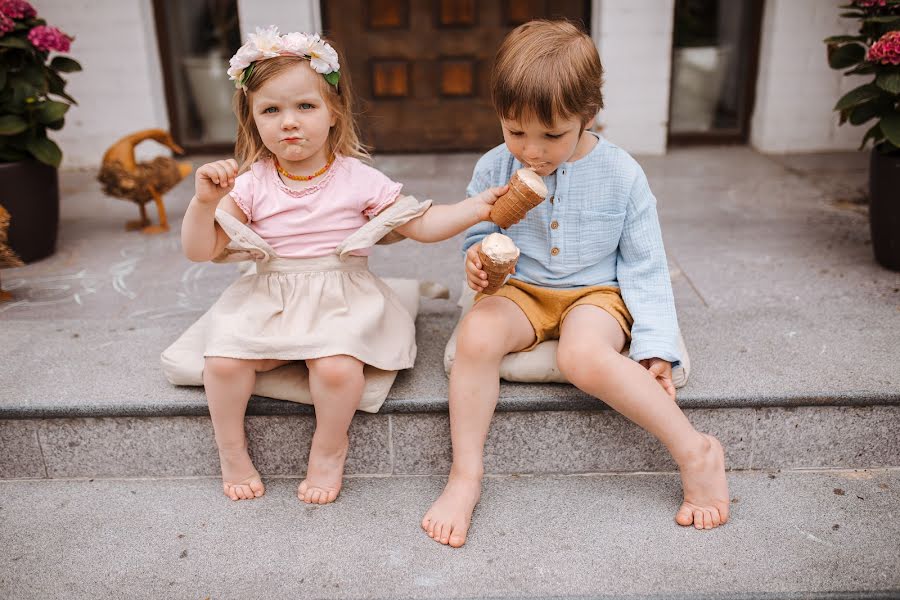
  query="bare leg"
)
[
  {"x": 229, "y": 383},
  {"x": 588, "y": 355},
  {"x": 494, "y": 328},
  {"x": 336, "y": 384}
]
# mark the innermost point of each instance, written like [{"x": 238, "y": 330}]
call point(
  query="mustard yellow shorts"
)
[{"x": 546, "y": 308}]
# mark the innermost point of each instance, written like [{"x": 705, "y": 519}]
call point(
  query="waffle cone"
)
[
  {"x": 496, "y": 271},
  {"x": 510, "y": 208}
]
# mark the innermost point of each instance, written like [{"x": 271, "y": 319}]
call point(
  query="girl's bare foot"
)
[
  {"x": 705, "y": 487},
  {"x": 324, "y": 473},
  {"x": 448, "y": 519},
  {"x": 240, "y": 479}
]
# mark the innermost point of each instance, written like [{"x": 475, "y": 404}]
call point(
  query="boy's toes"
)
[{"x": 685, "y": 515}]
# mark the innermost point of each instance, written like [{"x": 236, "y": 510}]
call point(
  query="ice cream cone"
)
[
  {"x": 526, "y": 190},
  {"x": 498, "y": 256}
]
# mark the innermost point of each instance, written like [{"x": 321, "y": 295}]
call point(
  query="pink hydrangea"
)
[
  {"x": 6, "y": 24},
  {"x": 17, "y": 9},
  {"x": 870, "y": 3},
  {"x": 886, "y": 50},
  {"x": 47, "y": 38}
]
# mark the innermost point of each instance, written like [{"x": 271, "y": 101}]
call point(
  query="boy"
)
[{"x": 592, "y": 273}]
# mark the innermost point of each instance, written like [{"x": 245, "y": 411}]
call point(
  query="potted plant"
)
[
  {"x": 33, "y": 100},
  {"x": 875, "y": 51}
]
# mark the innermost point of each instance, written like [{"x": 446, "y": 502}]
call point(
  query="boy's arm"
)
[
  {"x": 643, "y": 276},
  {"x": 446, "y": 220}
]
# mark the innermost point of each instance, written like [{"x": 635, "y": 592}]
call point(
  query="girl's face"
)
[
  {"x": 544, "y": 148},
  {"x": 293, "y": 119}
]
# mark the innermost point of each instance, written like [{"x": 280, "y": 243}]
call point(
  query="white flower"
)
[
  {"x": 296, "y": 43},
  {"x": 267, "y": 41},
  {"x": 323, "y": 58}
]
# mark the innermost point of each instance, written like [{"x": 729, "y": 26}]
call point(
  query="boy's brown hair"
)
[
  {"x": 342, "y": 139},
  {"x": 547, "y": 69}
]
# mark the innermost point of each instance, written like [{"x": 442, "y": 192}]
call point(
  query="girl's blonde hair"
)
[
  {"x": 547, "y": 69},
  {"x": 342, "y": 139}
]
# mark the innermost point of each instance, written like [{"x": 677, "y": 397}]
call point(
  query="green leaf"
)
[
  {"x": 56, "y": 124},
  {"x": 50, "y": 111},
  {"x": 8, "y": 154},
  {"x": 857, "y": 96},
  {"x": 64, "y": 64},
  {"x": 874, "y": 133},
  {"x": 45, "y": 150},
  {"x": 11, "y": 41},
  {"x": 2, "y": 77},
  {"x": 890, "y": 126},
  {"x": 864, "y": 112},
  {"x": 845, "y": 56},
  {"x": 862, "y": 68},
  {"x": 882, "y": 19},
  {"x": 57, "y": 87},
  {"x": 333, "y": 77},
  {"x": 889, "y": 82},
  {"x": 840, "y": 39},
  {"x": 12, "y": 124}
]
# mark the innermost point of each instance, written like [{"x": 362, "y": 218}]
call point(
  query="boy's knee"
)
[
  {"x": 478, "y": 337},
  {"x": 335, "y": 371},
  {"x": 577, "y": 361}
]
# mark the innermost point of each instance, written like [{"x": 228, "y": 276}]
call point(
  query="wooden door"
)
[{"x": 421, "y": 68}]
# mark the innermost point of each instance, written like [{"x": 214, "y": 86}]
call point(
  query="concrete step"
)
[{"x": 792, "y": 534}]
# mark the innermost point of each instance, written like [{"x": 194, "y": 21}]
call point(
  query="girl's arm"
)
[
  {"x": 443, "y": 221},
  {"x": 201, "y": 237}
]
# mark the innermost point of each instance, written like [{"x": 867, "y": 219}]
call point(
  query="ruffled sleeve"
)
[
  {"x": 381, "y": 192},
  {"x": 242, "y": 194}
]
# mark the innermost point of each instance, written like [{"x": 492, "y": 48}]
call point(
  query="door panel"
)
[{"x": 421, "y": 68}]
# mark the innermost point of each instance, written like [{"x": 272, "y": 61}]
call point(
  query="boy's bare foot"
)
[
  {"x": 324, "y": 473},
  {"x": 240, "y": 479},
  {"x": 705, "y": 488},
  {"x": 448, "y": 519}
]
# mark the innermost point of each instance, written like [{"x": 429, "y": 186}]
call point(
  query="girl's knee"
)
[
  {"x": 223, "y": 367},
  {"x": 335, "y": 371}
]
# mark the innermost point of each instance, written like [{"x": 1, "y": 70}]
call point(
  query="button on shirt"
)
[{"x": 601, "y": 228}]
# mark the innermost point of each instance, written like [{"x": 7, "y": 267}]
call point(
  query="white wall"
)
[
  {"x": 288, "y": 15},
  {"x": 796, "y": 89},
  {"x": 635, "y": 43},
  {"x": 121, "y": 88}
]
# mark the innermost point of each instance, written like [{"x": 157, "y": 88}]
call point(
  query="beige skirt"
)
[{"x": 295, "y": 309}]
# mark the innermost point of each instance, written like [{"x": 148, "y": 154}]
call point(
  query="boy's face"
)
[{"x": 541, "y": 147}]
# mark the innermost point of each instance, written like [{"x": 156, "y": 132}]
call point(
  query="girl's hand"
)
[
  {"x": 476, "y": 277},
  {"x": 214, "y": 180},
  {"x": 662, "y": 371},
  {"x": 485, "y": 200}
]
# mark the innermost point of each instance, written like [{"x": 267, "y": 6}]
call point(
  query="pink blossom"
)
[
  {"x": 47, "y": 38},
  {"x": 886, "y": 50},
  {"x": 870, "y": 3},
  {"x": 6, "y": 24},
  {"x": 17, "y": 9}
]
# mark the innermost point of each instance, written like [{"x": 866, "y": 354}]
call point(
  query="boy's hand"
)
[
  {"x": 476, "y": 277},
  {"x": 485, "y": 200},
  {"x": 214, "y": 180},
  {"x": 662, "y": 371}
]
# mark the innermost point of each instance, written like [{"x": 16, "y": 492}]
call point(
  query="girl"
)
[{"x": 303, "y": 190}]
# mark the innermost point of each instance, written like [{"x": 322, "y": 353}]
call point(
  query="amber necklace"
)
[{"x": 284, "y": 173}]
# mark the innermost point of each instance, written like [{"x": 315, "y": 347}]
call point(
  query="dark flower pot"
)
[
  {"x": 884, "y": 208},
  {"x": 29, "y": 190}
]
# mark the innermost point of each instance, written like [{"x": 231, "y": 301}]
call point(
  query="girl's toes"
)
[
  {"x": 707, "y": 520},
  {"x": 684, "y": 516},
  {"x": 698, "y": 519}
]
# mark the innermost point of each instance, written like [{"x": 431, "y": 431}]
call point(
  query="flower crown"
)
[{"x": 266, "y": 43}]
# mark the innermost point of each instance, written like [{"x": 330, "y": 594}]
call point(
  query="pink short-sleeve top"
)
[{"x": 315, "y": 220}]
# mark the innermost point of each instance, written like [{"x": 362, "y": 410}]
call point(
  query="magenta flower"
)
[
  {"x": 870, "y": 3},
  {"x": 886, "y": 50},
  {"x": 17, "y": 9},
  {"x": 6, "y": 24},
  {"x": 47, "y": 38}
]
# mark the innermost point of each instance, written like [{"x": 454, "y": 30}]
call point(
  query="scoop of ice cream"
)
[
  {"x": 533, "y": 181},
  {"x": 499, "y": 248}
]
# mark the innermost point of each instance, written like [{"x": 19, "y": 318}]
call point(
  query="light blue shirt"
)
[{"x": 598, "y": 226}]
